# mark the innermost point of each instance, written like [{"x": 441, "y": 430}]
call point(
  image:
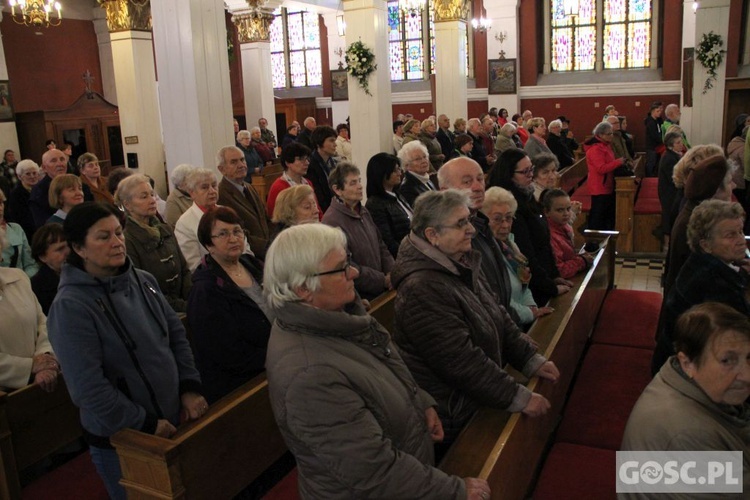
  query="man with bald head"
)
[
  {"x": 54, "y": 163},
  {"x": 305, "y": 137},
  {"x": 466, "y": 175}
]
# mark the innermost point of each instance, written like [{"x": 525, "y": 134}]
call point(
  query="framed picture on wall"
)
[
  {"x": 339, "y": 85},
  {"x": 502, "y": 76},
  {"x": 6, "y": 104}
]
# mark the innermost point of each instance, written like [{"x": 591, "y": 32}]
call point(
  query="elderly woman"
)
[
  {"x": 295, "y": 159},
  {"x": 454, "y": 337},
  {"x": 368, "y": 251},
  {"x": 91, "y": 175},
  {"x": 295, "y": 205},
  {"x": 411, "y": 131},
  {"x": 150, "y": 243},
  {"x": 415, "y": 161},
  {"x": 65, "y": 192},
  {"x": 331, "y": 366},
  {"x": 18, "y": 201},
  {"x": 427, "y": 136},
  {"x": 557, "y": 144},
  {"x": 264, "y": 151},
  {"x": 252, "y": 158},
  {"x": 500, "y": 208},
  {"x": 126, "y": 359},
  {"x": 463, "y": 145},
  {"x": 666, "y": 187},
  {"x": 514, "y": 171},
  {"x": 699, "y": 399},
  {"x": 601, "y": 163},
  {"x": 25, "y": 353},
  {"x": 537, "y": 143},
  {"x": 716, "y": 269},
  {"x": 178, "y": 200},
  {"x": 545, "y": 173},
  {"x": 459, "y": 126},
  {"x": 505, "y": 138},
  {"x": 229, "y": 320},
  {"x": 558, "y": 209},
  {"x": 16, "y": 252},
  {"x": 343, "y": 144},
  {"x": 50, "y": 249},
  {"x": 710, "y": 178},
  {"x": 389, "y": 210}
]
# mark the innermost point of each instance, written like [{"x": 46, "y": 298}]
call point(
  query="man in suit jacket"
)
[
  {"x": 240, "y": 196},
  {"x": 445, "y": 137}
]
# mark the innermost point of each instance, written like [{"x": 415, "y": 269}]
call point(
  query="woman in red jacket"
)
[{"x": 601, "y": 162}]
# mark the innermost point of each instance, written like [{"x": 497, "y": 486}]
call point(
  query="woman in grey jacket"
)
[
  {"x": 345, "y": 402},
  {"x": 126, "y": 359}
]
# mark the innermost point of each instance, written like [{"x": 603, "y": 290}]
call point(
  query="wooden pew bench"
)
[
  {"x": 262, "y": 181},
  {"x": 33, "y": 426},
  {"x": 506, "y": 449},
  {"x": 638, "y": 212}
]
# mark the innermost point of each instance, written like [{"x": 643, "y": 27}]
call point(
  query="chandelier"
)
[
  {"x": 412, "y": 8},
  {"x": 35, "y": 12}
]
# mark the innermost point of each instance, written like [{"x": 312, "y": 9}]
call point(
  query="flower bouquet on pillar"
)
[{"x": 360, "y": 63}]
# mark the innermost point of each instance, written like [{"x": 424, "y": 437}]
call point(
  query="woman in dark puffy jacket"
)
[{"x": 389, "y": 210}]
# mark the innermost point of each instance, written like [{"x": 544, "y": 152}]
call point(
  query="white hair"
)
[
  {"x": 254, "y": 129},
  {"x": 196, "y": 176},
  {"x": 242, "y": 134},
  {"x": 294, "y": 256},
  {"x": 408, "y": 150},
  {"x": 554, "y": 123},
  {"x": 25, "y": 166},
  {"x": 180, "y": 172}
]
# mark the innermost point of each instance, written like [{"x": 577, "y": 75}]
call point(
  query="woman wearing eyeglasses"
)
[
  {"x": 345, "y": 402},
  {"x": 601, "y": 163},
  {"x": 295, "y": 158},
  {"x": 450, "y": 331},
  {"x": 514, "y": 171},
  {"x": 229, "y": 320}
]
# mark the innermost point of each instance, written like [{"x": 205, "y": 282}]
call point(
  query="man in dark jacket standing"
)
[
  {"x": 305, "y": 137},
  {"x": 465, "y": 174},
  {"x": 444, "y": 135},
  {"x": 478, "y": 153},
  {"x": 322, "y": 161}
]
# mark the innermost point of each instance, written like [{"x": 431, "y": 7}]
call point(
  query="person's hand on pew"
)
[
  {"x": 563, "y": 285},
  {"x": 541, "y": 311},
  {"x": 434, "y": 425},
  {"x": 548, "y": 371},
  {"x": 194, "y": 406},
  {"x": 537, "y": 405},
  {"x": 47, "y": 379},
  {"x": 477, "y": 489},
  {"x": 576, "y": 206},
  {"x": 45, "y": 369},
  {"x": 164, "y": 429}
]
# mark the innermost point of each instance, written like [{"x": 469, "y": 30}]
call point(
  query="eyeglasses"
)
[
  {"x": 460, "y": 224},
  {"x": 345, "y": 269},
  {"x": 420, "y": 158},
  {"x": 528, "y": 171},
  {"x": 225, "y": 234},
  {"x": 303, "y": 159},
  {"x": 503, "y": 218}
]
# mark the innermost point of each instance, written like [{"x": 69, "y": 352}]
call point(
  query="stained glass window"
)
[
  {"x": 623, "y": 42},
  {"x": 407, "y": 37},
  {"x": 295, "y": 49}
]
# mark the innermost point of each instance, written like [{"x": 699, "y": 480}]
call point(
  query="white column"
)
[
  {"x": 106, "y": 64},
  {"x": 133, "y": 57},
  {"x": 712, "y": 15},
  {"x": 190, "y": 38},
  {"x": 258, "y": 84},
  {"x": 504, "y": 17},
  {"x": 370, "y": 116},
  {"x": 339, "y": 109},
  {"x": 8, "y": 135},
  {"x": 451, "y": 96}
]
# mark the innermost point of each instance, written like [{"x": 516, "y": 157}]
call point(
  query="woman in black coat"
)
[
  {"x": 513, "y": 171},
  {"x": 229, "y": 321},
  {"x": 389, "y": 210}
]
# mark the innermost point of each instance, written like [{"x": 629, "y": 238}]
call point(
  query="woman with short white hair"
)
[
  {"x": 178, "y": 200},
  {"x": 18, "y": 201},
  {"x": 331, "y": 366},
  {"x": 415, "y": 160},
  {"x": 505, "y": 138}
]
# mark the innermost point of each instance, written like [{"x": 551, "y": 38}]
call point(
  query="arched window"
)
[
  {"x": 295, "y": 49},
  {"x": 591, "y": 34},
  {"x": 407, "y": 38}
]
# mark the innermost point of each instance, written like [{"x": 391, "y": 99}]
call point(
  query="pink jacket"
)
[
  {"x": 567, "y": 260},
  {"x": 601, "y": 162}
]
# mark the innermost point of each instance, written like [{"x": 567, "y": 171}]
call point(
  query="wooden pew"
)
[
  {"x": 262, "y": 182},
  {"x": 383, "y": 309},
  {"x": 506, "y": 449},
  {"x": 214, "y": 457},
  {"x": 636, "y": 226},
  {"x": 573, "y": 176},
  {"x": 33, "y": 425}
]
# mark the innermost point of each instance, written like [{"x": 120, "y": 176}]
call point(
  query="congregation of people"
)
[{"x": 468, "y": 225}]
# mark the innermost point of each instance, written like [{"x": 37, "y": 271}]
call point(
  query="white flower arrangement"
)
[
  {"x": 710, "y": 55},
  {"x": 360, "y": 63}
]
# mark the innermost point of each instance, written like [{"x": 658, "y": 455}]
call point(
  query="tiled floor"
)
[{"x": 639, "y": 274}]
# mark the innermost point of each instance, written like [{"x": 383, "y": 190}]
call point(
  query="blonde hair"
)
[
  {"x": 286, "y": 203},
  {"x": 60, "y": 184},
  {"x": 693, "y": 157}
]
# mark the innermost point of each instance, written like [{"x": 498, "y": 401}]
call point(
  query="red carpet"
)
[
  {"x": 628, "y": 318},
  {"x": 574, "y": 472},
  {"x": 608, "y": 385},
  {"x": 74, "y": 480}
]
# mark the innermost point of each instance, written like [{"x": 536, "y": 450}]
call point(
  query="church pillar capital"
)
[
  {"x": 125, "y": 15},
  {"x": 451, "y": 10},
  {"x": 253, "y": 26}
]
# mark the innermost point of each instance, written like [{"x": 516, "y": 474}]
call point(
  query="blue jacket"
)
[{"x": 123, "y": 351}]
